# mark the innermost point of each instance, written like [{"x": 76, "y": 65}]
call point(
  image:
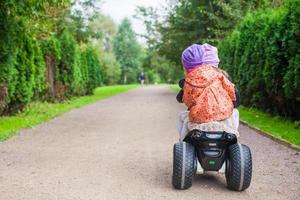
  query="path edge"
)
[{"x": 272, "y": 137}]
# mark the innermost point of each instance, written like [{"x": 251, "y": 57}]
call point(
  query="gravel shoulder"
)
[{"x": 121, "y": 148}]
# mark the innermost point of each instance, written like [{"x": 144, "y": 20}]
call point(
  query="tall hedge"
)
[
  {"x": 52, "y": 56},
  {"x": 56, "y": 68},
  {"x": 263, "y": 57},
  {"x": 40, "y": 69},
  {"x": 30, "y": 67},
  {"x": 39, "y": 58},
  {"x": 69, "y": 68},
  {"x": 84, "y": 71},
  {"x": 22, "y": 70},
  {"x": 94, "y": 69}
]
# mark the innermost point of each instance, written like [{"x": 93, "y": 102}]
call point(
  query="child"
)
[{"x": 207, "y": 93}]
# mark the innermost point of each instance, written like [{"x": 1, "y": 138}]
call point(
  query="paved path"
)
[{"x": 121, "y": 148}]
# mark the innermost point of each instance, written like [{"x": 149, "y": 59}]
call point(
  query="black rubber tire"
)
[
  {"x": 238, "y": 167},
  {"x": 184, "y": 164}
]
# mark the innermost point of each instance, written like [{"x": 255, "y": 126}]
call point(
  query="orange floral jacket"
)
[{"x": 208, "y": 94}]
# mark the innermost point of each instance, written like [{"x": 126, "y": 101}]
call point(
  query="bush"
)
[
  {"x": 164, "y": 70},
  {"x": 52, "y": 56},
  {"x": 152, "y": 77},
  {"x": 30, "y": 67},
  {"x": 22, "y": 65},
  {"x": 111, "y": 69},
  {"x": 40, "y": 70},
  {"x": 69, "y": 73},
  {"x": 94, "y": 69},
  {"x": 35, "y": 63},
  {"x": 8, "y": 73},
  {"x": 263, "y": 56}
]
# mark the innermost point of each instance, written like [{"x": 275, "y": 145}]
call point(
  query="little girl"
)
[{"x": 207, "y": 93}]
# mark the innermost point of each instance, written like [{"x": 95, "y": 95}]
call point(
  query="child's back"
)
[{"x": 208, "y": 94}]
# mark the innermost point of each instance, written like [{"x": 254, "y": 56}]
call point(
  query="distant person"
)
[
  {"x": 142, "y": 78},
  {"x": 207, "y": 92}
]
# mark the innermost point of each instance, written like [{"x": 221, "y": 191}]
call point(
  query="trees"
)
[
  {"x": 258, "y": 43},
  {"x": 267, "y": 70},
  {"x": 158, "y": 69},
  {"x": 195, "y": 21},
  {"x": 111, "y": 68},
  {"x": 106, "y": 29},
  {"x": 52, "y": 55},
  {"x": 34, "y": 37},
  {"x": 94, "y": 69},
  {"x": 127, "y": 51},
  {"x": 190, "y": 21},
  {"x": 150, "y": 17},
  {"x": 30, "y": 68},
  {"x": 69, "y": 67}
]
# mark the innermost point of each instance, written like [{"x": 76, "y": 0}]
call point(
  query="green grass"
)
[
  {"x": 176, "y": 88},
  {"x": 274, "y": 125},
  {"x": 38, "y": 112}
]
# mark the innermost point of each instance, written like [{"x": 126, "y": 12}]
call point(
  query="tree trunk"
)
[
  {"x": 50, "y": 75},
  {"x": 125, "y": 78}
]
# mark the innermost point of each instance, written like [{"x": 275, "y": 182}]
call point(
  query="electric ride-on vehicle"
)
[{"x": 211, "y": 151}]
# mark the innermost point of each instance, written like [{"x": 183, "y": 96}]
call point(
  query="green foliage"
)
[
  {"x": 111, "y": 69},
  {"x": 152, "y": 77},
  {"x": 105, "y": 29},
  {"x": 186, "y": 22},
  {"x": 159, "y": 69},
  {"x": 52, "y": 56},
  {"x": 84, "y": 71},
  {"x": 34, "y": 37},
  {"x": 69, "y": 68},
  {"x": 150, "y": 17},
  {"x": 51, "y": 47},
  {"x": 26, "y": 70},
  {"x": 291, "y": 44},
  {"x": 40, "y": 81},
  {"x": 82, "y": 14},
  {"x": 25, "y": 78},
  {"x": 263, "y": 57},
  {"x": 127, "y": 51},
  {"x": 194, "y": 21},
  {"x": 94, "y": 69}
]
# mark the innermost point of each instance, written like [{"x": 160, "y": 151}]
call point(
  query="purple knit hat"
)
[{"x": 196, "y": 55}]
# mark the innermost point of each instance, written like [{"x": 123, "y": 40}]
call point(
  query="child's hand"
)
[
  {"x": 179, "y": 96},
  {"x": 181, "y": 83}
]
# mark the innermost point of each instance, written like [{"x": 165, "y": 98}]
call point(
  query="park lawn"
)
[
  {"x": 37, "y": 112},
  {"x": 274, "y": 125}
]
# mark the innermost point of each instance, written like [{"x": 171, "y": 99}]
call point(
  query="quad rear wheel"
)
[
  {"x": 238, "y": 167},
  {"x": 184, "y": 165}
]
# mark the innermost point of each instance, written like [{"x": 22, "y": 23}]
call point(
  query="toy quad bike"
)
[{"x": 209, "y": 151}]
